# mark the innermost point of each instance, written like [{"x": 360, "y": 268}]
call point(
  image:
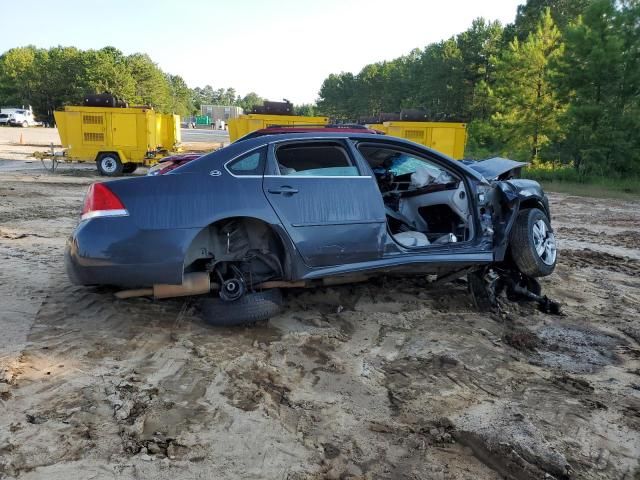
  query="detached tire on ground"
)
[
  {"x": 109, "y": 164},
  {"x": 533, "y": 244},
  {"x": 250, "y": 308}
]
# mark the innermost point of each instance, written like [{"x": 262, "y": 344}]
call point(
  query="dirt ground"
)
[{"x": 392, "y": 379}]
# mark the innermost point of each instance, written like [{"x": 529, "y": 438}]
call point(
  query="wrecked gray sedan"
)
[{"x": 304, "y": 209}]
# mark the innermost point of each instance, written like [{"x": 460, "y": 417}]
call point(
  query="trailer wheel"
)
[
  {"x": 129, "y": 167},
  {"x": 109, "y": 164}
]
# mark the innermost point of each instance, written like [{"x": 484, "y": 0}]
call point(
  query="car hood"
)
[{"x": 497, "y": 168}]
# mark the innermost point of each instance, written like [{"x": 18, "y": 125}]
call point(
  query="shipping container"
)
[{"x": 203, "y": 120}]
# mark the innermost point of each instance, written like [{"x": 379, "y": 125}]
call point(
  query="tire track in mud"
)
[
  {"x": 138, "y": 370},
  {"x": 587, "y": 258},
  {"x": 626, "y": 238},
  {"x": 19, "y": 306},
  {"x": 404, "y": 387}
]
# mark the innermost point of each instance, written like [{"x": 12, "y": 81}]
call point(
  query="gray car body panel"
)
[
  {"x": 493, "y": 168},
  {"x": 331, "y": 227}
]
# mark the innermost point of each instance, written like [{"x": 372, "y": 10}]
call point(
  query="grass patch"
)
[{"x": 567, "y": 180}]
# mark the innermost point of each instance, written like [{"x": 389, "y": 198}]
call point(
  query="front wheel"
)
[
  {"x": 109, "y": 165},
  {"x": 533, "y": 244}
]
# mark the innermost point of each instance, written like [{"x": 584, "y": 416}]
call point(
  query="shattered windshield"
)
[{"x": 403, "y": 164}]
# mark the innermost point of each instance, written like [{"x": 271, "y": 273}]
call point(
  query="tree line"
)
[
  {"x": 50, "y": 78},
  {"x": 560, "y": 85}
]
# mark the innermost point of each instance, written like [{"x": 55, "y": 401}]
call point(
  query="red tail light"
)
[{"x": 100, "y": 201}]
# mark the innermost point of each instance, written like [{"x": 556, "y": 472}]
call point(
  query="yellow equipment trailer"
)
[
  {"x": 168, "y": 133},
  {"x": 445, "y": 137},
  {"x": 117, "y": 139},
  {"x": 244, "y": 124}
]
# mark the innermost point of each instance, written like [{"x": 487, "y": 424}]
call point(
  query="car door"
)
[{"x": 330, "y": 206}]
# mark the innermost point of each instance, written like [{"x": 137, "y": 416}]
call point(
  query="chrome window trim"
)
[
  {"x": 315, "y": 176},
  {"x": 307, "y": 139}
]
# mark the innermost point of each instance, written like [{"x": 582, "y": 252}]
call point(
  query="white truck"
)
[{"x": 18, "y": 117}]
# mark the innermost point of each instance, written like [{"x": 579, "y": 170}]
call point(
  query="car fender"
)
[
  {"x": 517, "y": 195},
  {"x": 530, "y": 194}
]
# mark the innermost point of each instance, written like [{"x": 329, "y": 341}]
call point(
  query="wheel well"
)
[
  {"x": 102, "y": 154},
  {"x": 237, "y": 239},
  {"x": 533, "y": 203},
  {"x": 503, "y": 251}
]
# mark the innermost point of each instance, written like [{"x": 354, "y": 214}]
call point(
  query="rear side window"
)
[
  {"x": 250, "y": 164},
  {"x": 322, "y": 159}
]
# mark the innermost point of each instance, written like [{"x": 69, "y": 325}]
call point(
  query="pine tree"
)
[
  {"x": 600, "y": 75},
  {"x": 527, "y": 106}
]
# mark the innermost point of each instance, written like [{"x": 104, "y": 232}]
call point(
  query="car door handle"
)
[{"x": 284, "y": 190}]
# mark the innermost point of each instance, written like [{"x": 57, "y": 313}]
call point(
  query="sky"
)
[{"x": 278, "y": 49}]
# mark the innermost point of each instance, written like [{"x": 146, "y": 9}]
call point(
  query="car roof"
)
[
  {"x": 306, "y": 129},
  {"x": 322, "y": 135}
]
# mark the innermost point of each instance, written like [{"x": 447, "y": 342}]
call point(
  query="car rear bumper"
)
[{"x": 112, "y": 251}]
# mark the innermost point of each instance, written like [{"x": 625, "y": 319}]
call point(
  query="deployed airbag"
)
[
  {"x": 411, "y": 239},
  {"x": 424, "y": 176}
]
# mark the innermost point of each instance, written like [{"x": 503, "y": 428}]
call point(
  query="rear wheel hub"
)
[
  {"x": 544, "y": 242},
  {"x": 232, "y": 289}
]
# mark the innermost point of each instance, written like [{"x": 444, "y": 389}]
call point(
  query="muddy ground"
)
[{"x": 392, "y": 379}]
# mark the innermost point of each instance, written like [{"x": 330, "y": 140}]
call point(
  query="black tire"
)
[
  {"x": 25, "y": 124},
  {"x": 250, "y": 308},
  {"x": 129, "y": 167},
  {"x": 109, "y": 165},
  {"x": 523, "y": 246}
]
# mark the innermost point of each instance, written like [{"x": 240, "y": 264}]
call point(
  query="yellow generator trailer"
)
[
  {"x": 270, "y": 114},
  {"x": 117, "y": 139},
  {"x": 445, "y": 137},
  {"x": 244, "y": 124},
  {"x": 168, "y": 133}
]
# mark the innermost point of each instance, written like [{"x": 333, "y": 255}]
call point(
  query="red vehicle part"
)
[
  {"x": 100, "y": 201},
  {"x": 171, "y": 163}
]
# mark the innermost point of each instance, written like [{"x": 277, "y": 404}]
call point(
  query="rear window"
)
[
  {"x": 4, "y": 115},
  {"x": 315, "y": 160},
  {"x": 251, "y": 164}
]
